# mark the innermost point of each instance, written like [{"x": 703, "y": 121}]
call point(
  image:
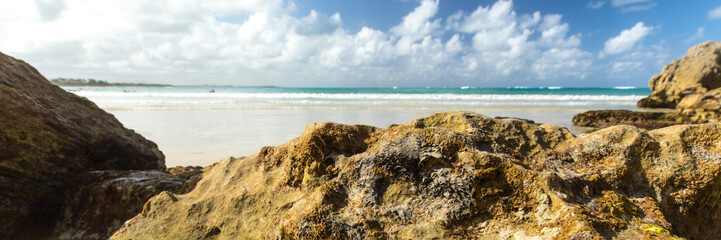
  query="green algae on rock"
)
[{"x": 454, "y": 175}]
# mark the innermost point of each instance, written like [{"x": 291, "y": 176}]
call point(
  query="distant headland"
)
[
  {"x": 75, "y": 82},
  {"x": 90, "y": 82}
]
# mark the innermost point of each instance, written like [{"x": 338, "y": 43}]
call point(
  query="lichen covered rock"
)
[
  {"x": 48, "y": 135},
  {"x": 454, "y": 175}
]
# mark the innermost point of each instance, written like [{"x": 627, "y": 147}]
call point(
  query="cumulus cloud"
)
[
  {"x": 627, "y": 39},
  {"x": 315, "y": 24},
  {"x": 715, "y": 13},
  {"x": 194, "y": 42},
  {"x": 418, "y": 22}
]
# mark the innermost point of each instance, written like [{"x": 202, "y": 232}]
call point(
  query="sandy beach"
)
[{"x": 195, "y": 127}]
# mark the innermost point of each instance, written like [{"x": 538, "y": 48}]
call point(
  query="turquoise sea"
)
[{"x": 199, "y": 125}]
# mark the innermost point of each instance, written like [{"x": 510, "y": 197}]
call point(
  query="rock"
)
[
  {"x": 607, "y": 118},
  {"x": 691, "y": 85},
  {"x": 454, "y": 175},
  {"x": 190, "y": 175},
  {"x": 103, "y": 200},
  {"x": 646, "y": 120},
  {"x": 698, "y": 72},
  {"x": 685, "y": 176},
  {"x": 48, "y": 135}
]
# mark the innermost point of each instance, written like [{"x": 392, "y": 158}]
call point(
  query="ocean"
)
[{"x": 200, "y": 125}]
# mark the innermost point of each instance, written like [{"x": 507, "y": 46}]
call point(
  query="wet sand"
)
[{"x": 202, "y": 137}]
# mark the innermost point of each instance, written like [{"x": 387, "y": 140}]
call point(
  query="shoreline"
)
[
  {"x": 201, "y": 137},
  {"x": 195, "y": 127}
]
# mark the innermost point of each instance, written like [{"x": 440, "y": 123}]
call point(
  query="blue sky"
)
[
  {"x": 325, "y": 43},
  {"x": 677, "y": 21}
]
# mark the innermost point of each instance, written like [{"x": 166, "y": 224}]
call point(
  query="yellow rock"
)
[{"x": 457, "y": 175}]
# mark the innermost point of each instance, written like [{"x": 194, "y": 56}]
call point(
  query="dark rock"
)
[
  {"x": 47, "y": 135},
  {"x": 607, "y": 118},
  {"x": 190, "y": 175},
  {"x": 102, "y": 201}
]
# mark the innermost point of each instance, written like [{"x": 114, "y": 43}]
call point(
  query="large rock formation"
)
[
  {"x": 47, "y": 137},
  {"x": 693, "y": 81},
  {"x": 691, "y": 85},
  {"x": 454, "y": 175}
]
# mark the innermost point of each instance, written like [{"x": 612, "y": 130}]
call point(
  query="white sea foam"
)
[
  {"x": 624, "y": 87},
  {"x": 359, "y": 96}
]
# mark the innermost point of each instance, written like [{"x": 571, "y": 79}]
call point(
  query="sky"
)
[{"x": 371, "y": 43}]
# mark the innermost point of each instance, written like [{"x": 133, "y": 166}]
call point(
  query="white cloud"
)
[
  {"x": 417, "y": 23},
  {"x": 715, "y": 13},
  {"x": 642, "y": 62},
  {"x": 699, "y": 34},
  {"x": 633, "y": 5},
  {"x": 637, "y": 8},
  {"x": 620, "y": 3},
  {"x": 626, "y": 67},
  {"x": 315, "y": 24},
  {"x": 627, "y": 39},
  {"x": 495, "y": 16},
  {"x": 49, "y": 9},
  {"x": 194, "y": 42},
  {"x": 570, "y": 62},
  {"x": 596, "y": 5}
]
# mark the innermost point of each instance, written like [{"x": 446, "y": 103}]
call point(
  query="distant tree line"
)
[
  {"x": 98, "y": 83},
  {"x": 79, "y": 82}
]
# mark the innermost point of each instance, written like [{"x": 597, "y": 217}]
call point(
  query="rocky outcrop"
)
[
  {"x": 454, "y": 175},
  {"x": 47, "y": 137},
  {"x": 690, "y": 82},
  {"x": 690, "y": 85}
]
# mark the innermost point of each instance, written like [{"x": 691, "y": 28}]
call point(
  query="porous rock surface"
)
[
  {"x": 47, "y": 136},
  {"x": 454, "y": 175}
]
